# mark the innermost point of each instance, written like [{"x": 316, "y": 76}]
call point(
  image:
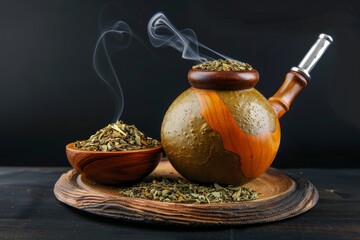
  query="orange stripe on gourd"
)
[{"x": 256, "y": 152}]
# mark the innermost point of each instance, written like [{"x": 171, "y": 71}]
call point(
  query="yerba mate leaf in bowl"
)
[{"x": 117, "y": 137}]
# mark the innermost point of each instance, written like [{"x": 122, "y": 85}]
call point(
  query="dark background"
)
[{"x": 50, "y": 94}]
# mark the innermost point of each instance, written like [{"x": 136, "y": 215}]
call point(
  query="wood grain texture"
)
[
  {"x": 223, "y": 80},
  {"x": 282, "y": 196},
  {"x": 114, "y": 167},
  {"x": 282, "y": 99},
  {"x": 256, "y": 152}
]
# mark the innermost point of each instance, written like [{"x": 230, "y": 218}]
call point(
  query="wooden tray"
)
[{"x": 283, "y": 195}]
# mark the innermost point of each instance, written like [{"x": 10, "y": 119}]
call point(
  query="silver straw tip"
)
[{"x": 327, "y": 37}]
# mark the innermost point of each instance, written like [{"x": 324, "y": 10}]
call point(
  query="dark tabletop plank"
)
[{"x": 29, "y": 210}]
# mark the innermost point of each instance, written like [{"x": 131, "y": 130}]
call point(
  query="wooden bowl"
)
[{"x": 114, "y": 167}]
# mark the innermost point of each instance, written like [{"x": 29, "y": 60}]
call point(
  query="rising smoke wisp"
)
[
  {"x": 163, "y": 33},
  {"x": 114, "y": 38}
]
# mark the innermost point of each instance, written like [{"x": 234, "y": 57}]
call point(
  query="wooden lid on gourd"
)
[{"x": 223, "y": 75}]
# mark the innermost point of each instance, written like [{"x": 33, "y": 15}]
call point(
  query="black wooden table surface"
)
[{"x": 29, "y": 210}]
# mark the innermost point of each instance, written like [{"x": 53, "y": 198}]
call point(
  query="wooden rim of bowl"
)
[
  {"x": 223, "y": 80},
  {"x": 71, "y": 146}
]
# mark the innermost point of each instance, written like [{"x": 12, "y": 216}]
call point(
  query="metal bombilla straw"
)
[{"x": 313, "y": 55}]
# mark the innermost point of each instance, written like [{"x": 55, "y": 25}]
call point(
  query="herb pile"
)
[
  {"x": 117, "y": 137},
  {"x": 223, "y": 65},
  {"x": 181, "y": 191}
]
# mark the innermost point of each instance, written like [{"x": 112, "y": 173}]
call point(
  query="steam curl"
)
[{"x": 163, "y": 33}]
